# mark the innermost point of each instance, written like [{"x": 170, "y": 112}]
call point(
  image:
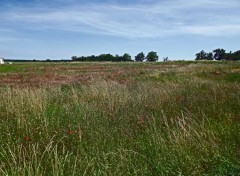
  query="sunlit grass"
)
[{"x": 176, "y": 122}]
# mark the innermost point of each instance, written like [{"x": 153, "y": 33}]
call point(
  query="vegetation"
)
[
  {"x": 152, "y": 57},
  {"x": 218, "y": 54},
  {"x": 140, "y": 57},
  {"x": 171, "y": 118}
]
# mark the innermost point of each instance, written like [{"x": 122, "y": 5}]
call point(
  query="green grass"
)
[
  {"x": 13, "y": 68},
  {"x": 167, "y": 121}
]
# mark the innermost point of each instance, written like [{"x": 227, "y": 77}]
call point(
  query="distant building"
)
[{"x": 1, "y": 61}]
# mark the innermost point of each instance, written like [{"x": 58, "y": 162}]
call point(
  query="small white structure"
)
[{"x": 1, "y": 61}]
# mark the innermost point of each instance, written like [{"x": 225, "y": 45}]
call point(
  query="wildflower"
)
[
  {"x": 27, "y": 138},
  {"x": 71, "y": 132}
]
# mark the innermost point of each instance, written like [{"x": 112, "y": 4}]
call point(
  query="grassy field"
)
[{"x": 174, "y": 118}]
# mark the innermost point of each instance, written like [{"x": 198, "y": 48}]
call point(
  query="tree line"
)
[
  {"x": 218, "y": 54},
  {"x": 140, "y": 57}
]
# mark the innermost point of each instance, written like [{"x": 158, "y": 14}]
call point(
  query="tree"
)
[
  {"x": 152, "y": 56},
  {"x": 126, "y": 57},
  {"x": 140, "y": 57},
  {"x": 202, "y": 55},
  {"x": 236, "y": 55},
  {"x": 117, "y": 58},
  {"x": 209, "y": 56},
  {"x": 105, "y": 57},
  {"x": 219, "y": 54},
  {"x": 165, "y": 59},
  {"x": 74, "y": 58}
]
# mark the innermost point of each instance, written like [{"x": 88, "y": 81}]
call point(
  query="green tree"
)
[
  {"x": 219, "y": 54},
  {"x": 236, "y": 55},
  {"x": 105, "y": 57},
  {"x": 152, "y": 56},
  {"x": 140, "y": 57},
  {"x": 126, "y": 57},
  {"x": 202, "y": 55},
  {"x": 117, "y": 58},
  {"x": 209, "y": 56}
]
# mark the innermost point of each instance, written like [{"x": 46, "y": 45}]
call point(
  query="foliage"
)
[
  {"x": 152, "y": 56},
  {"x": 218, "y": 54},
  {"x": 140, "y": 57},
  {"x": 202, "y": 55},
  {"x": 126, "y": 57},
  {"x": 104, "y": 57}
]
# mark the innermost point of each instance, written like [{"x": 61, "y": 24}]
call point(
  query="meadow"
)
[{"x": 171, "y": 118}]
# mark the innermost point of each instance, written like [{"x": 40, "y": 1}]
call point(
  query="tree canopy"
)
[
  {"x": 202, "y": 55},
  {"x": 152, "y": 56},
  {"x": 100, "y": 58},
  {"x": 140, "y": 57},
  {"x": 218, "y": 54}
]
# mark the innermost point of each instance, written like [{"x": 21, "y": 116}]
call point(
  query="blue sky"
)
[{"x": 59, "y": 29}]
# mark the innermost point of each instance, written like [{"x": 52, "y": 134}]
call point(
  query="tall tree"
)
[
  {"x": 209, "y": 56},
  {"x": 202, "y": 55},
  {"x": 219, "y": 54},
  {"x": 127, "y": 57},
  {"x": 152, "y": 56},
  {"x": 236, "y": 55},
  {"x": 140, "y": 57}
]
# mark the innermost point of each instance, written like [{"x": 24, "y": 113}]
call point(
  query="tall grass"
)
[{"x": 162, "y": 126}]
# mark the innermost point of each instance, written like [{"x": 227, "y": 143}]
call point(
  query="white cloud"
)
[
  {"x": 218, "y": 30},
  {"x": 134, "y": 21}
]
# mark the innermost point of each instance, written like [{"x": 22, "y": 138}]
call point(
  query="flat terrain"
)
[
  {"x": 172, "y": 118},
  {"x": 38, "y": 74}
]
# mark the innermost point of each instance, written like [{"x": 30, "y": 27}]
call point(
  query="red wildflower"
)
[
  {"x": 70, "y": 132},
  {"x": 27, "y": 138}
]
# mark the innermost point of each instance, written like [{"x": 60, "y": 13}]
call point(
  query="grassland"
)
[{"x": 175, "y": 118}]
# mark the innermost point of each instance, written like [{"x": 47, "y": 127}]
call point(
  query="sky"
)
[{"x": 60, "y": 29}]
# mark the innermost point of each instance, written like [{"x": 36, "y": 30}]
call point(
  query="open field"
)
[{"x": 173, "y": 118}]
